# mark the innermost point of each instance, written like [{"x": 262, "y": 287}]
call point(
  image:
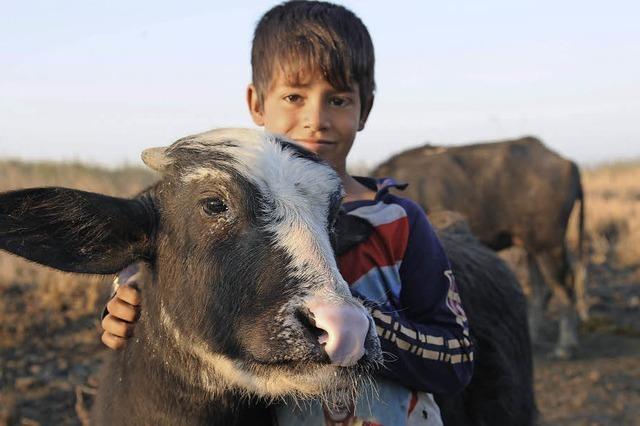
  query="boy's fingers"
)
[
  {"x": 113, "y": 342},
  {"x": 129, "y": 294},
  {"x": 123, "y": 310},
  {"x": 117, "y": 327}
]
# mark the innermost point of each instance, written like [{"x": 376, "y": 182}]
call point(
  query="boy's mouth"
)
[{"x": 315, "y": 145}]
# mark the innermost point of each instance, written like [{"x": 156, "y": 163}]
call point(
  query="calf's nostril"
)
[{"x": 308, "y": 321}]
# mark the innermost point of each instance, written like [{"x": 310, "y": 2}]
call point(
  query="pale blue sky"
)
[{"x": 99, "y": 81}]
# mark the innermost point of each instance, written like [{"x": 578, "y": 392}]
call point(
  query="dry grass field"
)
[
  {"x": 49, "y": 328},
  {"x": 613, "y": 211}
]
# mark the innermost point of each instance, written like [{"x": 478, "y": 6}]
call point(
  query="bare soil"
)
[{"x": 602, "y": 385}]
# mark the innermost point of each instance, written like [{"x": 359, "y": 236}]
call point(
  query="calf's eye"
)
[{"x": 213, "y": 206}]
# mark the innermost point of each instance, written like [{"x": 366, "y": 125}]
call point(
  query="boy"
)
[{"x": 313, "y": 82}]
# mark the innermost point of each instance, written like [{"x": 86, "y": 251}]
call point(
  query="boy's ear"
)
[
  {"x": 255, "y": 106},
  {"x": 76, "y": 231},
  {"x": 365, "y": 112}
]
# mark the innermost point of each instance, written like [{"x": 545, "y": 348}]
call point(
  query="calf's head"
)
[{"x": 246, "y": 292}]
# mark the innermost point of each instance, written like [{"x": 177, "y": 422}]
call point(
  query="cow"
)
[
  {"x": 513, "y": 193},
  {"x": 246, "y": 303}
]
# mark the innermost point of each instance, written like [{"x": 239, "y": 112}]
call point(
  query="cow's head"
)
[{"x": 246, "y": 291}]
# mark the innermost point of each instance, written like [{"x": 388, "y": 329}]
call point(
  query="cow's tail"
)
[{"x": 580, "y": 267}]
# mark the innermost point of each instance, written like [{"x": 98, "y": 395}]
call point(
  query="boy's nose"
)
[{"x": 316, "y": 117}]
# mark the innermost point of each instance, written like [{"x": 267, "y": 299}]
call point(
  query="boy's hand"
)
[{"x": 123, "y": 309}]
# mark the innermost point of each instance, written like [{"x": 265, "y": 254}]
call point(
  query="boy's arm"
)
[{"x": 428, "y": 338}]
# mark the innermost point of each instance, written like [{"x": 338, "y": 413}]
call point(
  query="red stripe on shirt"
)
[{"x": 385, "y": 247}]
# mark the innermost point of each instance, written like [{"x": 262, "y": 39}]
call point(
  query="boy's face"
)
[{"x": 312, "y": 113}]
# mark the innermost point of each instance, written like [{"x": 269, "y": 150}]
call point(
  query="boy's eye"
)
[
  {"x": 339, "y": 102},
  {"x": 293, "y": 98}
]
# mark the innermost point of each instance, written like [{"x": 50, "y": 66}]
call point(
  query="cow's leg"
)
[
  {"x": 523, "y": 265},
  {"x": 552, "y": 265},
  {"x": 538, "y": 298},
  {"x": 579, "y": 284}
]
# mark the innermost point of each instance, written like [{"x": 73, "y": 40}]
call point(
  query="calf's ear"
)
[
  {"x": 350, "y": 231},
  {"x": 76, "y": 231}
]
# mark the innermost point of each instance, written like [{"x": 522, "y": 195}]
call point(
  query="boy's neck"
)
[{"x": 354, "y": 190}]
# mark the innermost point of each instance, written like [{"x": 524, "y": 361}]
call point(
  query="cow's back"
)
[{"x": 511, "y": 189}]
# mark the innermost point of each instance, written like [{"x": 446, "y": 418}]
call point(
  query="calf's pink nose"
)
[{"x": 345, "y": 330}]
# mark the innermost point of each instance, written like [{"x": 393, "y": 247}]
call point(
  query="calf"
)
[{"x": 246, "y": 297}]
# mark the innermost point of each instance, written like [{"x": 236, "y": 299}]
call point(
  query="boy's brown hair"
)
[{"x": 298, "y": 38}]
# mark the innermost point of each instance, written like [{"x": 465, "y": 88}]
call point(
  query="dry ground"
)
[
  {"x": 49, "y": 329},
  {"x": 601, "y": 386}
]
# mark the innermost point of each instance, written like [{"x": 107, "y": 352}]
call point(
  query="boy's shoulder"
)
[{"x": 385, "y": 199}]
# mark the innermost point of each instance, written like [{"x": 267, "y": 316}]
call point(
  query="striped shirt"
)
[{"x": 403, "y": 274}]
